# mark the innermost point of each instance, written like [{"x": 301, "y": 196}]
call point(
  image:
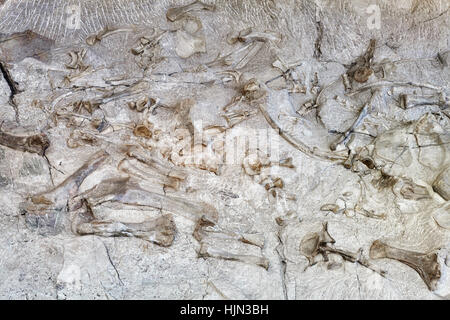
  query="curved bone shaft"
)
[{"x": 176, "y": 13}]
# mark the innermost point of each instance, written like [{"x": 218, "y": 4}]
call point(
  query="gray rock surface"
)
[{"x": 136, "y": 105}]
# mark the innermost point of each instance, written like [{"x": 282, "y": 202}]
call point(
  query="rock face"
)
[{"x": 224, "y": 150}]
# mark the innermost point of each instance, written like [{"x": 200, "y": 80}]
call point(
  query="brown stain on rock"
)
[{"x": 18, "y": 46}]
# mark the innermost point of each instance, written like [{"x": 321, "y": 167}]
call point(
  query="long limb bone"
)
[
  {"x": 442, "y": 184},
  {"x": 386, "y": 83},
  {"x": 165, "y": 168},
  {"x": 160, "y": 230},
  {"x": 154, "y": 177},
  {"x": 425, "y": 264},
  {"x": 208, "y": 252},
  {"x": 410, "y": 101},
  {"x": 122, "y": 190},
  {"x": 206, "y": 228},
  {"x": 44, "y": 208}
]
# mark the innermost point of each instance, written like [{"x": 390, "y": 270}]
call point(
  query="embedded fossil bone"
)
[
  {"x": 254, "y": 162},
  {"x": 207, "y": 251},
  {"x": 360, "y": 70},
  {"x": 309, "y": 245},
  {"x": 154, "y": 177},
  {"x": 387, "y": 83},
  {"x": 147, "y": 42},
  {"x": 139, "y": 104},
  {"x": 123, "y": 190},
  {"x": 313, "y": 152},
  {"x": 36, "y": 143},
  {"x": 93, "y": 39},
  {"x": 442, "y": 184},
  {"x": 330, "y": 207},
  {"x": 176, "y": 13},
  {"x": 43, "y": 209},
  {"x": 235, "y": 117},
  {"x": 206, "y": 228},
  {"x": 425, "y": 264},
  {"x": 76, "y": 61},
  {"x": 411, "y": 191},
  {"x": 346, "y": 82},
  {"x": 78, "y": 138},
  {"x": 351, "y": 257},
  {"x": 165, "y": 168},
  {"x": 240, "y": 57},
  {"x": 249, "y": 35},
  {"x": 409, "y": 101},
  {"x": 160, "y": 231},
  {"x": 143, "y": 129},
  {"x": 305, "y": 108}
]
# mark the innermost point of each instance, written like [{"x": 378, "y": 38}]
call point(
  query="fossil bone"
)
[
  {"x": 76, "y": 61},
  {"x": 154, "y": 177},
  {"x": 240, "y": 57},
  {"x": 442, "y": 184},
  {"x": 93, "y": 39},
  {"x": 249, "y": 35},
  {"x": 365, "y": 111},
  {"x": 44, "y": 208},
  {"x": 313, "y": 152},
  {"x": 36, "y": 143},
  {"x": 360, "y": 70},
  {"x": 309, "y": 245},
  {"x": 160, "y": 230},
  {"x": 206, "y": 251},
  {"x": 409, "y": 101},
  {"x": 176, "y": 13},
  {"x": 425, "y": 264},
  {"x": 165, "y": 168},
  {"x": 206, "y": 228},
  {"x": 125, "y": 191},
  {"x": 317, "y": 243}
]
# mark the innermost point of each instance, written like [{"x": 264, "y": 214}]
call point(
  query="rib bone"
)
[
  {"x": 176, "y": 13},
  {"x": 165, "y": 168}
]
